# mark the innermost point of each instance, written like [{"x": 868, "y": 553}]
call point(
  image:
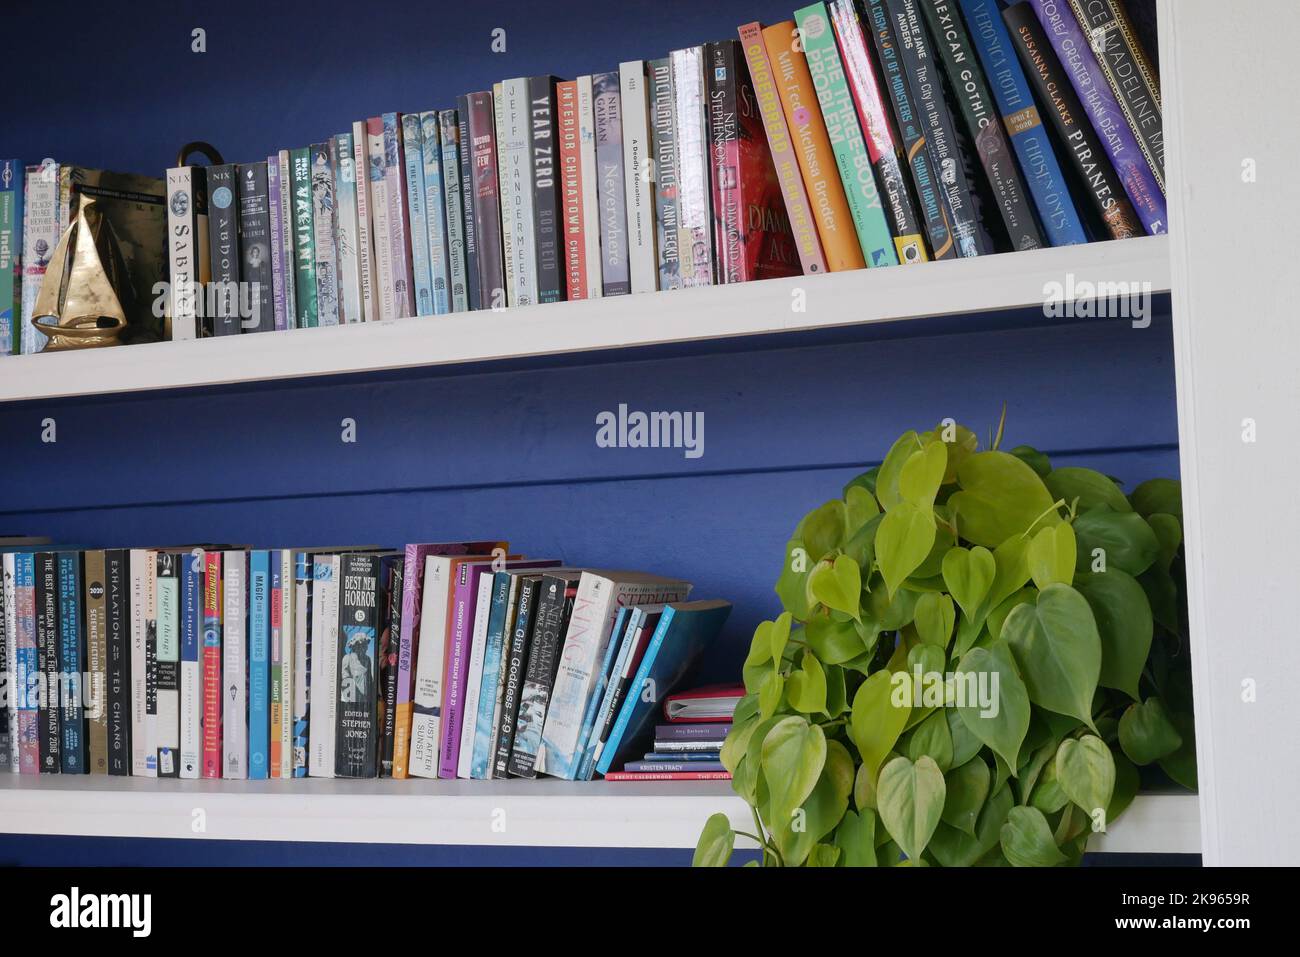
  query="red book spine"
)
[
  {"x": 575, "y": 264},
  {"x": 668, "y": 776},
  {"x": 212, "y": 665},
  {"x": 724, "y": 160}
]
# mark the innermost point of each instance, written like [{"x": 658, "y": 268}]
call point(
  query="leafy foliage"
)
[{"x": 977, "y": 653}]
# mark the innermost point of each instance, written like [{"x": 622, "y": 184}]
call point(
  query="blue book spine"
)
[
  {"x": 72, "y": 716},
  {"x": 676, "y": 767},
  {"x": 1028, "y": 136},
  {"x": 413, "y": 156},
  {"x": 259, "y": 687},
  {"x": 302, "y": 575},
  {"x": 587, "y": 746},
  {"x": 11, "y": 256},
  {"x": 434, "y": 212},
  {"x": 633, "y": 696},
  {"x": 485, "y": 723}
]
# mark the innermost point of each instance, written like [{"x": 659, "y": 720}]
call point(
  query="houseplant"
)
[{"x": 977, "y": 655}]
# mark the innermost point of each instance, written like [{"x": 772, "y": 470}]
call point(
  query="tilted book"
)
[
  {"x": 322, "y": 215},
  {"x": 223, "y": 301},
  {"x": 607, "y": 104},
  {"x": 234, "y": 665},
  {"x": 189, "y": 266},
  {"x": 555, "y": 604},
  {"x": 168, "y": 655},
  {"x": 304, "y": 239},
  {"x": 71, "y": 658},
  {"x": 213, "y": 608},
  {"x": 95, "y": 598},
  {"x": 347, "y": 228},
  {"x": 413, "y": 161},
  {"x": 513, "y": 668},
  {"x": 638, "y": 176},
  {"x": 545, "y": 150},
  {"x": 259, "y": 664},
  {"x": 117, "y": 627}
]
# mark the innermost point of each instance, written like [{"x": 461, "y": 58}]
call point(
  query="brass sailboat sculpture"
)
[{"x": 79, "y": 305}]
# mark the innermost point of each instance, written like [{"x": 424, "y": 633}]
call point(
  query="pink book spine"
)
[
  {"x": 29, "y": 757},
  {"x": 212, "y": 606},
  {"x": 453, "y": 679}
]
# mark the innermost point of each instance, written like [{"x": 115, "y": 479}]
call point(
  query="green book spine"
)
[
  {"x": 304, "y": 239},
  {"x": 847, "y": 143}
]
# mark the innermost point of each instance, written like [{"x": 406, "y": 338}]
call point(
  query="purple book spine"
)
[
  {"x": 453, "y": 685},
  {"x": 1071, "y": 46},
  {"x": 412, "y": 580},
  {"x": 714, "y": 731},
  {"x": 277, "y": 250}
]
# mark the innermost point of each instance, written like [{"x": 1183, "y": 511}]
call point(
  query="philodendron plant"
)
[{"x": 977, "y": 654}]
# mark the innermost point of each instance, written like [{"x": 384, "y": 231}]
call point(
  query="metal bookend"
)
[{"x": 79, "y": 305}]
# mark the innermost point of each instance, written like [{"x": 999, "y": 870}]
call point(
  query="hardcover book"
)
[
  {"x": 255, "y": 246},
  {"x": 357, "y": 727},
  {"x": 188, "y": 259},
  {"x": 259, "y": 664},
  {"x": 49, "y": 730},
  {"x": 234, "y": 665},
  {"x": 413, "y": 161},
  {"x": 11, "y": 256},
  {"x": 191, "y": 663},
  {"x": 222, "y": 317},
  {"x": 546, "y": 188},
  {"x": 117, "y": 627},
  {"x": 95, "y": 605},
  {"x": 454, "y": 211},
  {"x": 41, "y": 232},
  {"x": 638, "y": 176},
  {"x": 213, "y": 607},
  {"x": 71, "y": 658},
  {"x": 486, "y": 205},
  {"x": 366, "y": 277},
  {"x": 663, "y": 125},
  {"x": 322, "y": 216},
  {"x": 607, "y": 105},
  {"x": 304, "y": 239},
  {"x": 435, "y": 218},
  {"x": 347, "y": 229},
  {"x": 168, "y": 653}
]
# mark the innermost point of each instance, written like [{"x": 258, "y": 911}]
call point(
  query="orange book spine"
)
[{"x": 812, "y": 146}]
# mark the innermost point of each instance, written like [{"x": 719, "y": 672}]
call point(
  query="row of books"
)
[
  {"x": 438, "y": 661},
  {"x": 867, "y": 133}
]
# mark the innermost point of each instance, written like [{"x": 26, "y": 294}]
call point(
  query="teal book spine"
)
[
  {"x": 304, "y": 239},
  {"x": 434, "y": 212},
  {"x": 847, "y": 143},
  {"x": 413, "y": 159},
  {"x": 11, "y": 256}
]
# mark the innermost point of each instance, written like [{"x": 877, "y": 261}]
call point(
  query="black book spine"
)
[
  {"x": 525, "y": 616},
  {"x": 539, "y": 677},
  {"x": 255, "y": 245},
  {"x": 222, "y": 316},
  {"x": 983, "y": 124},
  {"x": 72, "y": 657},
  {"x": 47, "y": 660},
  {"x": 7, "y": 689},
  {"x": 467, "y": 205},
  {"x": 390, "y": 639},
  {"x": 118, "y": 643},
  {"x": 486, "y": 201},
  {"x": 545, "y": 141},
  {"x": 357, "y": 727},
  {"x": 1087, "y": 157}
]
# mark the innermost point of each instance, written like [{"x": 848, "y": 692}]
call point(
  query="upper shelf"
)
[{"x": 988, "y": 284}]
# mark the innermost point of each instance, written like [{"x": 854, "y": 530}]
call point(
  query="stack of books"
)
[{"x": 689, "y": 746}]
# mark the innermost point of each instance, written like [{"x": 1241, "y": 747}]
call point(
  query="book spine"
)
[
  {"x": 255, "y": 248},
  {"x": 798, "y": 211},
  {"x": 1085, "y": 154},
  {"x": 1108, "y": 120},
  {"x": 507, "y": 207},
  {"x": 638, "y": 176},
  {"x": 463, "y": 711},
  {"x": 399, "y": 225},
  {"x": 1043, "y": 176},
  {"x": 406, "y": 634},
  {"x": 589, "y": 171},
  {"x": 430, "y": 632},
  {"x": 304, "y": 240},
  {"x": 465, "y": 150},
  {"x": 234, "y": 670},
  {"x": 93, "y": 603},
  {"x": 325, "y": 665},
  {"x": 453, "y": 210},
  {"x": 435, "y": 220},
  {"x": 117, "y": 634},
  {"x": 607, "y": 104},
  {"x": 525, "y": 615},
  {"x": 663, "y": 127},
  {"x": 47, "y": 661},
  {"x": 483, "y": 717},
  {"x": 287, "y": 257},
  {"x": 413, "y": 163},
  {"x": 326, "y": 253},
  {"x": 487, "y": 208},
  {"x": 390, "y": 638},
  {"x": 847, "y": 143},
  {"x": 547, "y": 229},
  {"x": 144, "y": 671},
  {"x": 668, "y": 776},
  {"x": 357, "y": 727},
  {"x": 275, "y": 200},
  {"x": 539, "y": 677},
  {"x": 191, "y": 673},
  {"x": 575, "y": 264},
  {"x": 222, "y": 302},
  {"x": 882, "y": 146},
  {"x": 970, "y": 88},
  {"x": 277, "y": 704},
  {"x": 41, "y": 233},
  {"x": 302, "y": 585},
  {"x": 456, "y": 666},
  {"x": 589, "y": 737},
  {"x": 724, "y": 160},
  {"x": 26, "y": 666},
  {"x": 72, "y": 714},
  {"x": 369, "y": 311},
  {"x": 259, "y": 678},
  {"x": 10, "y": 760},
  {"x": 518, "y": 217},
  {"x": 632, "y": 694},
  {"x": 694, "y": 212},
  {"x": 167, "y": 656},
  {"x": 385, "y": 276},
  {"x": 288, "y": 670},
  {"x": 186, "y": 192},
  {"x": 347, "y": 228},
  {"x": 1129, "y": 74},
  {"x": 11, "y": 256},
  {"x": 212, "y": 657}
]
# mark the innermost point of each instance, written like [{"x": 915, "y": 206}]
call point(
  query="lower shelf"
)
[{"x": 546, "y": 813}]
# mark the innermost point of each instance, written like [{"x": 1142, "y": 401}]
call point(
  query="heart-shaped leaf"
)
[
  {"x": 1057, "y": 650},
  {"x": 823, "y": 529},
  {"x": 1047, "y": 794},
  {"x": 933, "y": 739},
  {"x": 1051, "y": 556},
  {"x": 1090, "y": 487},
  {"x": 922, "y": 474},
  {"x": 999, "y": 716},
  {"x": 935, "y": 617},
  {"x": 1000, "y": 497},
  {"x": 1027, "y": 839},
  {"x": 1169, "y": 533},
  {"x": 1086, "y": 772},
  {"x": 794, "y": 753},
  {"x": 911, "y": 798},
  {"x": 1123, "y": 616},
  {"x": 1123, "y": 539},
  {"x": 1146, "y": 733},
  {"x": 834, "y": 642},
  {"x": 796, "y": 834},
  {"x": 968, "y": 573},
  {"x": 891, "y": 469},
  {"x": 880, "y": 712},
  {"x": 792, "y": 584},
  {"x": 955, "y": 848},
  {"x": 856, "y": 838},
  {"x": 769, "y": 693},
  {"x": 902, "y": 542},
  {"x": 806, "y": 689},
  {"x": 860, "y": 507},
  {"x": 1159, "y": 495},
  {"x": 839, "y": 586},
  {"x": 967, "y": 786},
  {"x": 716, "y": 843}
]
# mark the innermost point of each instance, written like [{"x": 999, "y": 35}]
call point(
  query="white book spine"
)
[
  {"x": 191, "y": 720},
  {"x": 40, "y": 236},
  {"x": 590, "y": 200},
  {"x": 288, "y": 649},
  {"x": 365, "y": 246},
  {"x": 638, "y": 177},
  {"x": 346, "y": 228},
  {"x": 324, "y": 665},
  {"x": 380, "y": 234},
  {"x": 168, "y": 706},
  {"x": 182, "y": 253},
  {"x": 286, "y": 239},
  {"x": 474, "y": 676},
  {"x": 426, "y": 696},
  {"x": 144, "y": 758},
  {"x": 234, "y": 666},
  {"x": 10, "y": 626},
  {"x": 517, "y": 190}
]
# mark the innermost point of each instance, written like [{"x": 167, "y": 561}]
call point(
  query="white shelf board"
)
[
  {"x": 543, "y": 813},
  {"x": 1010, "y": 281}
]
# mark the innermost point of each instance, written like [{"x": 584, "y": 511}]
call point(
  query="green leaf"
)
[
  {"x": 968, "y": 573},
  {"x": 856, "y": 838},
  {"x": 860, "y": 507},
  {"x": 834, "y": 642},
  {"x": 967, "y": 788},
  {"x": 932, "y": 738},
  {"x": 737, "y": 742},
  {"x": 866, "y": 479},
  {"x": 1051, "y": 556},
  {"x": 998, "y": 616},
  {"x": 823, "y": 529},
  {"x": 715, "y": 844},
  {"x": 806, "y": 688},
  {"x": 1086, "y": 772},
  {"x": 823, "y": 855},
  {"x": 891, "y": 469},
  {"x": 1169, "y": 533},
  {"x": 776, "y": 634},
  {"x": 864, "y": 788},
  {"x": 1123, "y": 616},
  {"x": 1159, "y": 495},
  {"x": 1035, "y": 459},
  {"x": 796, "y": 834},
  {"x": 964, "y": 744},
  {"x": 1127, "y": 781},
  {"x": 935, "y": 617},
  {"x": 1146, "y": 733},
  {"x": 794, "y": 753},
  {"x": 1091, "y": 488},
  {"x": 891, "y": 612},
  {"x": 911, "y": 798},
  {"x": 902, "y": 542},
  {"x": 1181, "y": 765},
  {"x": 954, "y": 848},
  {"x": 961, "y": 443},
  {"x": 922, "y": 474},
  {"x": 1011, "y": 570},
  {"x": 1000, "y": 496},
  {"x": 877, "y": 721},
  {"x": 792, "y": 584},
  {"x": 1125, "y": 539},
  {"x": 769, "y": 693},
  {"x": 838, "y": 586},
  {"x": 1003, "y": 723},
  {"x": 1027, "y": 839},
  {"x": 1047, "y": 794},
  {"x": 1057, "y": 650}
]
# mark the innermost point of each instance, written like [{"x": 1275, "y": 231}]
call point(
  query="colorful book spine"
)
[
  {"x": 304, "y": 240},
  {"x": 347, "y": 228},
  {"x": 324, "y": 665},
  {"x": 11, "y": 256},
  {"x": 886, "y": 157},
  {"x": 168, "y": 656},
  {"x": 512, "y": 685},
  {"x": 974, "y": 99},
  {"x": 26, "y": 671},
  {"x": 429, "y": 667},
  {"x": 413, "y": 162},
  {"x": 1108, "y": 119},
  {"x": 1132, "y": 79},
  {"x": 1043, "y": 176},
  {"x": 607, "y": 104},
  {"x": 277, "y": 702},
  {"x": 357, "y": 726},
  {"x": 144, "y": 670},
  {"x": 287, "y": 254},
  {"x": 12, "y": 760},
  {"x": 390, "y": 627},
  {"x": 259, "y": 662},
  {"x": 694, "y": 212},
  {"x": 94, "y": 598},
  {"x": 323, "y": 211},
  {"x": 275, "y": 195},
  {"x": 1086, "y": 155},
  {"x": 117, "y": 628},
  {"x": 847, "y": 143},
  {"x": 590, "y": 173},
  {"x": 638, "y": 176},
  {"x": 385, "y": 276},
  {"x": 545, "y": 151},
  {"x": 485, "y": 192},
  {"x": 303, "y": 571},
  {"x": 369, "y": 311},
  {"x": 468, "y": 189},
  {"x": 255, "y": 247},
  {"x": 501, "y": 590},
  {"x": 798, "y": 211},
  {"x": 476, "y": 656},
  {"x": 453, "y": 210},
  {"x": 575, "y": 264},
  {"x": 223, "y": 301},
  {"x": 554, "y": 607},
  {"x": 405, "y": 633},
  {"x": 435, "y": 218},
  {"x": 234, "y": 665},
  {"x": 72, "y": 714},
  {"x": 285, "y": 614},
  {"x": 49, "y": 729},
  {"x": 191, "y": 665},
  {"x": 212, "y": 609},
  {"x": 41, "y": 232},
  {"x": 399, "y": 225},
  {"x": 590, "y": 733},
  {"x": 663, "y": 126},
  {"x": 518, "y": 218},
  {"x": 187, "y": 247}
]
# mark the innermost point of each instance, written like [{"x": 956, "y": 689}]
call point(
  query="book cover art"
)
[
  {"x": 71, "y": 658},
  {"x": 638, "y": 176},
  {"x": 213, "y": 607},
  {"x": 304, "y": 239},
  {"x": 663, "y": 125},
  {"x": 41, "y": 232},
  {"x": 369, "y": 311},
  {"x": 167, "y": 710},
  {"x": 512, "y": 684},
  {"x": 259, "y": 664},
  {"x": 545, "y": 150},
  {"x": 323, "y": 211},
  {"x": 453, "y": 211},
  {"x": 356, "y": 731},
  {"x": 189, "y": 264},
  {"x": 607, "y": 105},
  {"x": 12, "y": 180},
  {"x": 347, "y": 229},
  {"x": 49, "y": 731},
  {"x": 255, "y": 246},
  {"x": 465, "y": 148},
  {"x": 435, "y": 211},
  {"x": 485, "y": 192},
  {"x": 117, "y": 628},
  {"x": 94, "y": 601},
  {"x": 222, "y": 317},
  {"x": 191, "y": 663},
  {"x": 303, "y": 572},
  {"x": 413, "y": 163},
  {"x": 234, "y": 665},
  {"x": 399, "y": 224}
]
